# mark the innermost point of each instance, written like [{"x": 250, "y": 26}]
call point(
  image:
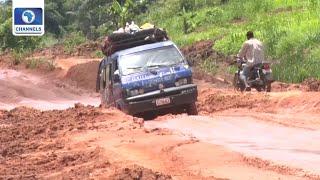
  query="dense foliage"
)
[
  {"x": 290, "y": 29},
  {"x": 88, "y": 19}
]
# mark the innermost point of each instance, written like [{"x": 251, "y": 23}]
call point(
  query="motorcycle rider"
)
[{"x": 252, "y": 52}]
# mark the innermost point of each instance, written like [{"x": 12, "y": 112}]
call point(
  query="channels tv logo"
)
[
  {"x": 28, "y": 16},
  {"x": 28, "y": 19}
]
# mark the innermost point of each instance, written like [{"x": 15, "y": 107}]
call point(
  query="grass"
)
[
  {"x": 72, "y": 41},
  {"x": 97, "y": 54},
  {"x": 48, "y": 40},
  {"x": 290, "y": 30},
  {"x": 35, "y": 63},
  {"x": 19, "y": 56},
  {"x": 209, "y": 66}
]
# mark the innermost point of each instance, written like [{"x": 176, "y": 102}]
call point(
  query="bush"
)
[
  {"x": 290, "y": 31},
  {"x": 35, "y": 63},
  {"x": 19, "y": 55},
  {"x": 103, "y": 30},
  {"x": 8, "y": 41},
  {"x": 188, "y": 5},
  {"x": 32, "y": 63},
  {"x": 214, "y": 15},
  {"x": 97, "y": 54},
  {"x": 231, "y": 44},
  {"x": 48, "y": 40},
  {"x": 72, "y": 40},
  {"x": 209, "y": 66}
]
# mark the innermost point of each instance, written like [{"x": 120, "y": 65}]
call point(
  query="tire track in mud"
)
[
  {"x": 211, "y": 101},
  {"x": 295, "y": 149},
  {"x": 302, "y": 109},
  {"x": 32, "y": 149},
  {"x": 281, "y": 169}
]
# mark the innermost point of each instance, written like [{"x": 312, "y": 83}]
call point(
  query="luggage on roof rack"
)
[{"x": 120, "y": 41}]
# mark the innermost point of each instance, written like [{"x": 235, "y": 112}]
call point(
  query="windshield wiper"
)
[
  {"x": 134, "y": 67},
  {"x": 154, "y": 66},
  {"x": 159, "y": 65}
]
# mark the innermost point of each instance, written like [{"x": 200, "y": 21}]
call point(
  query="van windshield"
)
[{"x": 152, "y": 58}]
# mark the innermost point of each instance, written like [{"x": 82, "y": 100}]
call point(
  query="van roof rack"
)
[{"x": 121, "y": 41}]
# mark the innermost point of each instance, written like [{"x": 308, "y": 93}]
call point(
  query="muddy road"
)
[
  {"x": 252, "y": 135},
  {"x": 40, "y": 92}
]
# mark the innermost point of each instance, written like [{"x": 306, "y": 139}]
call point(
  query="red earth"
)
[{"x": 235, "y": 136}]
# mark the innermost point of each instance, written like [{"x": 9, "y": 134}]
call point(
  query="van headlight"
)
[
  {"x": 181, "y": 82},
  {"x": 135, "y": 92}
]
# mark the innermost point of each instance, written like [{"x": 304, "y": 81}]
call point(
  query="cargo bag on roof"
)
[{"x": 120, "y": 41}]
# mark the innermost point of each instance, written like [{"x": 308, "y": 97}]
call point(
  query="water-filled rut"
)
[
  {"x": 24, "y": 89},
  {"x": 294, "y": 147}
]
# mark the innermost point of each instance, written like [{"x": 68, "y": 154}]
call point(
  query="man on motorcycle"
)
[{"x": 253, "y": 53}]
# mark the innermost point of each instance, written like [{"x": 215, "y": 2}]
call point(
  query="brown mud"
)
[
  {"x": 236, "y": 135},
  {"x": 312, "y": 84},
  {"x": 83, "y": 75},
  {"x": 35, "y": 144}
]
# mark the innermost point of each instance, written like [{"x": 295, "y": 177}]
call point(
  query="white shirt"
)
[{"x": 252, "y": 50}]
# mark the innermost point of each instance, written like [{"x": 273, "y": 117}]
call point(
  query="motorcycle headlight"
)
[
  {"x": 181, "y": 82},
  {"x": 135, "y": 92}
]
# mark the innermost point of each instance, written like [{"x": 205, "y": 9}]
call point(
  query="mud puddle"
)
[
  {"x": 23, "y": 89},
  {"x": 293, "y": 147}
]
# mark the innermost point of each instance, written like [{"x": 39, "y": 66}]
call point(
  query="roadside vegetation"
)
[
  {"x": 70, "y": 22},
  {"x": 290, "y": 29}
]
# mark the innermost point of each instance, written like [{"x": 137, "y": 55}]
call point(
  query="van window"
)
[
  {"x": 139, "y": 61},
  {"x": 105, "y": 77},
  {"x": 115, "y": 63}
]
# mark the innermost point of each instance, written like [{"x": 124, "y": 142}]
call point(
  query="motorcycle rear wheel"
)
[
  {"x": 238, "y": 84},
  {"x": 268, "y": 87}
]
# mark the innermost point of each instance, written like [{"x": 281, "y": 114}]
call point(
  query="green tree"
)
[
  {"x": 92, "y": 14},
  {"x": 55, "y": 20},
  {"x": 7, "y": 39},
  {"x": 121, "y": 12}
]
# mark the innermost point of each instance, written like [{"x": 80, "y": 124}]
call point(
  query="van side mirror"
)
[
  {"x": 189, "y": 63},
  {"x": 116, "y": 78}
]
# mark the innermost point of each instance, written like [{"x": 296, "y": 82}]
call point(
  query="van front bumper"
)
[{"x": 182, "y": 95}]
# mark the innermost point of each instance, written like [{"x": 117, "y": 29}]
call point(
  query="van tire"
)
[{"x": 192, "y": 109}]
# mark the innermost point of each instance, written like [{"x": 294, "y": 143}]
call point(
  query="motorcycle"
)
[{"x": 260, "y": 77}]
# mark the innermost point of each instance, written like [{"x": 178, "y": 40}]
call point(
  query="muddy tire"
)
[
  {"x": 259, "y": 89},
  {"x": 192, "y": 109},
  {"x": 102, "y": 101},
  {"x": 237, "y": 83},
  {"x": 268, "y": 87}
]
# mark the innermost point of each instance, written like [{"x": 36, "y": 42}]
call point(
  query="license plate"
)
[
  {"x": 266, "y": 71},
  {"x": 163, "y": 101}
]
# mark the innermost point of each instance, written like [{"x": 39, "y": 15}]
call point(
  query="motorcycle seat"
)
[{"x": 257, "y": 66}]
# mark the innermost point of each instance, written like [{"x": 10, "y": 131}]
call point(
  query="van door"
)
[
  {"x": 116, "y": 83},
  {"x": 106, "y": 86}
]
